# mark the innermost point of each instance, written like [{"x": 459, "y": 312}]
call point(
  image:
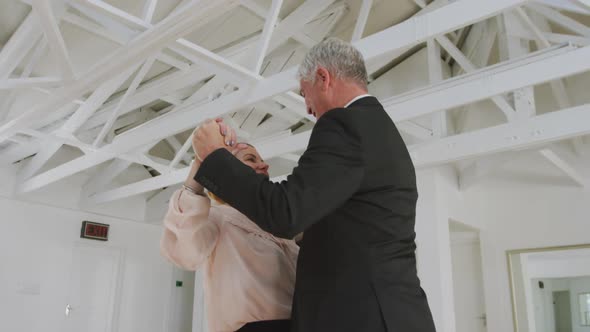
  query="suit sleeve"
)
[{"x": 329, "y": 173}]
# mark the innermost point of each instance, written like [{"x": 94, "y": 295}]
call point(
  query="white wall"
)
[
  {"x": 514, "y": 215},
  {"x": 543, "y": 299},
  {"x": 40, "y": 231}
]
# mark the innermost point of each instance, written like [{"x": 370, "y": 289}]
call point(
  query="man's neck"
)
[{"x": 349, "y": 91}]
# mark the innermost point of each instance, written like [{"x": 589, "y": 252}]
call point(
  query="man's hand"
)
[{"x": 212, "y": 135}]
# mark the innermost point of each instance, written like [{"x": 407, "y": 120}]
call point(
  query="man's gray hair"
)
[{"x": 340, "y": 58}]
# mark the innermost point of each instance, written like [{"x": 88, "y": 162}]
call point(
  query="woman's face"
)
[{"x": 250, "y": 157}]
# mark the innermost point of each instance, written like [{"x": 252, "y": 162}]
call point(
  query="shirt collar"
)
[{"x": 356, "y": 98}]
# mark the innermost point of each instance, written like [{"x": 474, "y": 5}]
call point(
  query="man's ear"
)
[{"x": 323, "y": 77}]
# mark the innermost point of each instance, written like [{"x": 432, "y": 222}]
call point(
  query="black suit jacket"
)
[{"x": 354, "y": 194}]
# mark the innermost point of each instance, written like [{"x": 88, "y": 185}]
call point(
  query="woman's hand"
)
[{"x": 210, "y": 136}]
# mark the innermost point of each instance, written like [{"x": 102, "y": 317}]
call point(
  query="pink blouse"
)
[{"x": 249, "y": 274}]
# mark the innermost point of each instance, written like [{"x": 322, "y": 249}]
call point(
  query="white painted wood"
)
[
  {"x": 114, "y": 12},
  {"x": 361, "y": 20},
  {"x": 561, "y": 19},
  {"x": 269, "y": 26},
  {"x": 28, "y": 83},
  {"x": 21, "y": 41},
  {"x": 147, "y": 44},
  {"x": 534, "y": 69},
  {"x": 435, "y": 74},
  {"x": 539, "y": 130},
  {"x": 469, "y": 67},
  {"x": 558, "y": 86},
  {"x": 568, "y": 163},
  {"x": 105, "y": 176},
  {"x": 440, "y": 21},
  {"x": 130, "y": 91},
  {"x": 149, "y": 9},
  {"x": 296, "y": 20},
  {"x": 49, "y": 24},
  {"x": 371, "y": 47},
  {"x": 484, "y": 167},
  {"x": 570, "y": 6}
]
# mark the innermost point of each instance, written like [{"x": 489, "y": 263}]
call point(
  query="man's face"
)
[{"x": 316, "y": 94}]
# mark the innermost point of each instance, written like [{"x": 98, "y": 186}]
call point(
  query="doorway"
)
[
  {"x": 563, "y": 311},
  {"x": 470, "y": 312},
  {"x": 92, "y": 300}
]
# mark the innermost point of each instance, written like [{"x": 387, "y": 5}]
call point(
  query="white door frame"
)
[{"x": 113, "y": 323}]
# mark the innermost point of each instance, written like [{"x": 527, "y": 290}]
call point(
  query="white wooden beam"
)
[
  {"x": 295, "y": 102},
  {"x": 181, "y": 152},
  {"x": 415, "y": 130},
  {"x": 157, "y": 205},
  {"x": 296, "y": 20},
  {"x": 470, "y": 88},
  {"x": 567, "y": 162},
  {"x": 6, "y": 104},
  {"x": 512, "y": 47},
  {"x": 96, "y": 99},
  {"x": 441, "y": 21},
  {"x": 537, "y": 131},
  {"x": 44, "y": 11},
  {"x": 148, "y": 10},
  {"x": 469, "y": 67},
  {"x": 19, "y": 44},
  {"x": 133, "y": 21},
  {"x": 29, "y": 83},
  {"x": 143, "y": 186},
  {"x": 378, "y": 62},
  {"x": 510, "y": 76},
  {"x": 535, "y": 69},
  {"x": 361, "y": 20},
  {"x": 147, "y": 65},
  {"x": 105, "y": 176},
  {"x": 554, "y": 38},
  {"x": 484, "y": 167},
  {"x": 530, "y": 133},
  {"x": 262, "y": 12},
  {"x": 145, "y": 45},
  {"x": 566, "y": 5},
  {"x": 269, "y": 26},
  {"x": 435, "y": 75},
  {"x": 111, "y": 35},
  {"x": 557, "y": 86},
  {"x": 561, "y": 19}
]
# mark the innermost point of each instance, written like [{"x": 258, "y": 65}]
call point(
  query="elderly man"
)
[{"x": 353, "y": 193}]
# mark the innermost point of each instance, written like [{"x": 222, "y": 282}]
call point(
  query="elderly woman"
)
[{"x": 249, "y": 274}]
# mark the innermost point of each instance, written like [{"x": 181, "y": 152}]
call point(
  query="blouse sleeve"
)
[{"x": 189, "y": 235}]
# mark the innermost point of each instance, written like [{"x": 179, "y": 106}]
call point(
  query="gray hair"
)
[{"x": 340, "y": 58}]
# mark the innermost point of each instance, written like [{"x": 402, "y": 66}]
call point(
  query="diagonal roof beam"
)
[
  {"x": 361, "y": 20},
  {"x": 405, "y": 34},
  {"x": 267, "y": 31},
  {"x": 44, "y": 11},
  {"x": 198, "y": 54},
  {"x": 19, "y": 44},
  {"x": 570, "y": 6},
  {"x": 479, "y": 85},
  {"x": 29, "y": 83},
  {"x": 145, "y": 45},
  {"x": 536, "y": 131},
  {"x": 568, "y": 163}
]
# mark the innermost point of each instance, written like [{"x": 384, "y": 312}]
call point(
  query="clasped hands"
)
[{"x": 214, "y": 134}]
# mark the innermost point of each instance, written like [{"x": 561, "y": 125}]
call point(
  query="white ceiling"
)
[{"x": 93, "y": 31}]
